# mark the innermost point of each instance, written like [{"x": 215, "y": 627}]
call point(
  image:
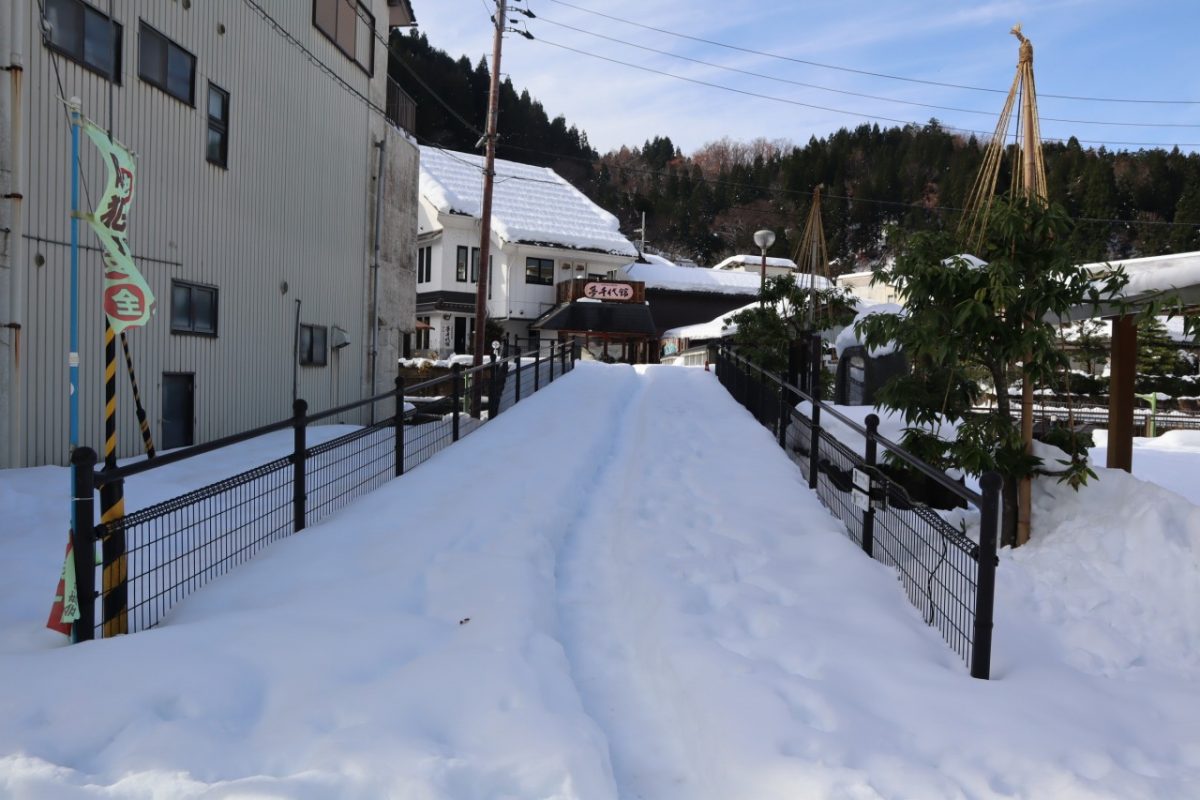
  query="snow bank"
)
[{"x": 1115, "y": 569}]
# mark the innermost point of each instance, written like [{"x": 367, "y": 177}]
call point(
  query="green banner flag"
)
[{"x": 128, "y": 301}]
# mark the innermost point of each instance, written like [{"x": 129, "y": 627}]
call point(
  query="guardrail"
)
[
  {"x": 155, "y": 556},
  {"x": 946, "y": 575}
]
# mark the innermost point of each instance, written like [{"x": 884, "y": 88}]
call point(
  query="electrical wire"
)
[
  {"x": 833, "y": 90},
  {"x": 860, "y": 71},
  {"x": 859, "y": 114}
]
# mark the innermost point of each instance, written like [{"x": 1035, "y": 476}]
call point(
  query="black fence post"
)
[
  {"x": 456, "y": 394},
  {"x": 83, "y": 542},
  {"x": 299, "y": 458},
  {"x": 985, "y": 585},
  {"x": 537, "y": 367},
  {"x": 551, "y": 360},
  {"x": 399, "y": 425},
  {"x": 576, "y": 350},
  {"x": 814, "y": 384},
  {"x": 870, "y": 457},
  {"x": 495, "y": 386},
  {"x": 517, "y": 386},
  {"x": 785, "y": 415}
]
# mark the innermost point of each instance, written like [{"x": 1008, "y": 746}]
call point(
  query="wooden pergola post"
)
[{"x": 1122, "y": 373}]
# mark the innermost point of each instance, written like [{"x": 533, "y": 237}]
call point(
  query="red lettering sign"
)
[{"x": 125, "y": 302}]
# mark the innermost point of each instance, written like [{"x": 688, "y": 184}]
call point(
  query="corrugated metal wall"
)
[{"x": 294, "y": 206}]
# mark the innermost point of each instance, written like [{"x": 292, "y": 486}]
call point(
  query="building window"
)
[
  {"x": 539, "y": 271},
  {"x": 84, "y": 35},
  {"x": 460, "y": 265},
  {"x": 491, "y": 274},
  {"x": 474, "y": 265},
  {"x": 350, "y": 26},
  {"x": 424, "y": 264},
  {"x": 423, "y": 333},
  {"x": 166, "y": 65},
  {"x": 218, "y": 126},
  {"x": 312, "y": 345},
  {"x": 193, "y": 309}
]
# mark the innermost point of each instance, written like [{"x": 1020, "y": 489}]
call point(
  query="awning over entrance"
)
[{"x": 627, "y": 319}]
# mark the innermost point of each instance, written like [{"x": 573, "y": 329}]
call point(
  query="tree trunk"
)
[{"x": 1008, "y": 493}]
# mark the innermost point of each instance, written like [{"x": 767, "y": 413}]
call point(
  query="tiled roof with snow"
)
[
  {"x": 692, "y": 279},
  {"x": 754, "y": 261},
  {"x": 533, "y": 205}
]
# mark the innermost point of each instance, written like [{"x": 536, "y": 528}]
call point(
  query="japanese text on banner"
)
[{"x": 128, "y": 301}]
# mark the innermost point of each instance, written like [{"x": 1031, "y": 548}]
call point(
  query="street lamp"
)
[{"x": 764, "y": 239}]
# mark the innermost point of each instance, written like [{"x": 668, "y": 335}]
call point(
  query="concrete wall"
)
[{"x": 291, "y": 219}]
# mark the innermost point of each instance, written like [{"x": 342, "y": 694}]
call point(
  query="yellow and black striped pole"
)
[
  {"x": 112, "y": 503},
  {"x": 143, "y": 422}
]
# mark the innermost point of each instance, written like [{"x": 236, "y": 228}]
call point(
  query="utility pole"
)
[
  {"x": 485, "y": 221},
  {"x": 1030, "y": 164}
]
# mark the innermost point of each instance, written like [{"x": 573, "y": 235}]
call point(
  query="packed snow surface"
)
[
  {"x": 642, "y": 602},
  {"x": 529, "y": 204}
]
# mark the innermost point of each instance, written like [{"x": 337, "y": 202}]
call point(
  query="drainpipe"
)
[
  {"x": 14, "y": 62},
  {"x": 374, "y": 353}
]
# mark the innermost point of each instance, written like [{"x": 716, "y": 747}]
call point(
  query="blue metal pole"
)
[{"x": 73, "y": 356}]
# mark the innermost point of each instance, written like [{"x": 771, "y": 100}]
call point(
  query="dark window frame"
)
[
  {"x": 332, "y": 36},
  {"x": 308, "y": 356},
  {"x": 189, "y": 328},
  {"x": 220, "y": 126},
  {"x": 474, "y": 265},
  {"x": 544, "y": 271},
  {"x": 144, "y": 27},
  {"x": 80, "y": 57},
  {"x": 461, "y": 259}
]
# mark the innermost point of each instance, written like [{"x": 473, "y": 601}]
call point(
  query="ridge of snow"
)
[{"x": 755, "y": 261}]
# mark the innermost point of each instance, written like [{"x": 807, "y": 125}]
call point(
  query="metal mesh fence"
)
[
  {"x": 937, "y": 565},
  {"x": 173, "y": 548}
]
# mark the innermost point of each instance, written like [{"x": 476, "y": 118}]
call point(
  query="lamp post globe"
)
[{"x": 764, "y": 239}]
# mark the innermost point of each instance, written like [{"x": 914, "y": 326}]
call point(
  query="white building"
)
[
  {"x": 860, "y": 285},
  {"x": 748, "y": 263},
  {"x": 261, "y": 137},
  {"x": 544, "y": 231}
]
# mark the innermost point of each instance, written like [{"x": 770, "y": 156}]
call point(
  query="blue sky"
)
[{"x": 1090, "y": 48}]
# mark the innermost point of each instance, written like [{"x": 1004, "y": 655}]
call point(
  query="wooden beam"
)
[{"x": 1122, "y": 373}]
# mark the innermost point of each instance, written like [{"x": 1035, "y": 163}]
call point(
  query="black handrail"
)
[{"x": 941, "y": 478}]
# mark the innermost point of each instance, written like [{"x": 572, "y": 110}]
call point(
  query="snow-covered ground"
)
[
  {"x": 666, "y": 613},
  {"x": 1171, "y": 460}
]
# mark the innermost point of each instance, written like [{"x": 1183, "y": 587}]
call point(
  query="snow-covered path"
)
[{"x": 620, "y": 589}]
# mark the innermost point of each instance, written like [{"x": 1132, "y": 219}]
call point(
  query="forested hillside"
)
[{"x": 707, "y": 204}]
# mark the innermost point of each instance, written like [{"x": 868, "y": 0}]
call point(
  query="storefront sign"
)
[{"x": 608, "y": 291}]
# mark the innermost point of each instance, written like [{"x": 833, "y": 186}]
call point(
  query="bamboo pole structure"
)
[
  {"x": 1029, "y": 179},
  {"x": 812, "y": 257}
]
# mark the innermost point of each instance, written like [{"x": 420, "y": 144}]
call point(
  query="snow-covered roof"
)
[
  {"x": 754, "y": 261},
  {"x": 689, "y": 279},
  {"x": 533, "y": 205},
  {"x": 850, "y": 336},
  {"x": 713, "y": 329},
  {"x": 1173, "y": 273},
  {"x": 657, "y": 259}
]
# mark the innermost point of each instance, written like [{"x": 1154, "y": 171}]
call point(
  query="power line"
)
[
  {"x": 859, "y": 71},
  {"x": 830, "y": 109},
  {"x": 454, "y": 155},
  {"x": 833, "y": 90}
]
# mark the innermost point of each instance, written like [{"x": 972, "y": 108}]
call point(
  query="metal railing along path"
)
[
  {"x": 158, "y": 555},
  {"x": 946, "y": 575}
]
